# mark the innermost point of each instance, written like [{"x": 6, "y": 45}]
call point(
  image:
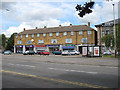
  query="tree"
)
[
  {"x": 118, "y": 37},
  {"x": 108, "y": 40},
  {"x": 3, "y": 39},
  {"x": 10, "y": 43},
  {"x": 86, "y": 9}
]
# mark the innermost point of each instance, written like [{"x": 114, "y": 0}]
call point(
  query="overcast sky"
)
[{"x": 20, "y": 14}]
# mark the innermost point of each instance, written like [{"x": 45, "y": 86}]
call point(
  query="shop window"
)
[
  {"x": 89, "y": 32},
  {"x": 57, "y": 34},
  {"x": 44, "y": 34},
  {"x": 21, "y": 36},
  {"x": 32, "y": 35},
  {"x": 72, "y": 33},
  {"x": 54, "y": 41},
  {"x": 19, "y": 42},
  {"x": 29, "y": 42},
  {"x": 26, "y": 35},
  {"x": 68, "y": 40},
  {"x": 80, "y": 32},
  {"x": 38, "y": 35},
  {"x": 40, "y": 41},
  {"x": 50, "y": 34},
  {"x": 16, "y": 36},
  {"x": 65, "y": 33},
  {"x": 84, "y": 40}
]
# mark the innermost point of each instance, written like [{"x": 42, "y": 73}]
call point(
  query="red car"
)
[{"x": 45, "y": 53}]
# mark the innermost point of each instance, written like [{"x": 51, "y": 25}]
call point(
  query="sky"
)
[{"x": 18, "y": 14}]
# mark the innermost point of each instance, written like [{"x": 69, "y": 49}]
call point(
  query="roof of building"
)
[
  {"x": 109, "y": 23},
  {"x": 57, "y": 29}
]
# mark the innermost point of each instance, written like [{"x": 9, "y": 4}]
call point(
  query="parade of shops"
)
[{"x": 61, "y": 38}]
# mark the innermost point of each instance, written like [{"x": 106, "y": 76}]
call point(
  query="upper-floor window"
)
[
  {"x": 54, "y": 41},
  {"x": 21, "y": 36},
  {"x": 38, "y": 34},
  {"x": 26, "y": 35},
  {"x": 32, "y": 35},
  {"x": 19, "y": 42},
  {"x": 89, "y": 32},
  {"x": 80, "y": 32},
  {"x": 16, "y": 36},
  {"x": 68, "y": 40},
  {"x": 72, "y": 33},
  {"x": 65, "y": 33},
  {"x": 57, "y": 33},
  {"x": 44, "y": 34},
  {"x": 50, "y": 34},
  {"x": 29, "y": 42},
  {"x": 84, "y": 40}
]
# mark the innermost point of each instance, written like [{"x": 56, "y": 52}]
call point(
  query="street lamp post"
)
[{"x": 114, "y": 27}]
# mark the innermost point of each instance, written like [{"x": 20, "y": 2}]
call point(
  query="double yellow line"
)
[{"x": 55, "y": 80}]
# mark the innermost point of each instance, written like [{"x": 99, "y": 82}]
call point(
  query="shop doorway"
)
[{"x": 80, "y": 49}]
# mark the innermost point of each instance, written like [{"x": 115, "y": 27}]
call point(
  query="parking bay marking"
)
[
  {"x": 73, "y": 70},
  {"x": 21, "y": 65},
  {"x": 55, "y": 80}
]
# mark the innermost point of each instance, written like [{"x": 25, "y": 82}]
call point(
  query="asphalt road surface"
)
[{"x": 20, "y": 71}]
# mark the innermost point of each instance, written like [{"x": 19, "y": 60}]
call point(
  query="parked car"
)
[
  {"x": 29, "y": 52},
  {"x": 66, "y": 52},
  {"x": 118, "y": 53},
  {"x": 57, "y": 52},
  {"x": 74, "y": 52},
  {"x": 107, "y": 52},
  {"x": 45, "y": 53},
  {"x": 7, "y": 52},
  {"x": 40, "y": 52}
]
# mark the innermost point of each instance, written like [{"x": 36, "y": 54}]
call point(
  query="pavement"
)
[{"x": 78, "y": 59}]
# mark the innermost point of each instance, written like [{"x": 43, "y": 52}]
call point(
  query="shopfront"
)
[
  {"x": 41, "y": 47},
  {"x": 29, "y": 47},
  {"x": 68, "y": 47},
  {"x": 53, "y": 48},
  {"x": 19, "y": 48}
]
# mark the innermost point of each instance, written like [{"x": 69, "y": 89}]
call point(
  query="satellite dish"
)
[{"x": 32, "y": 40}]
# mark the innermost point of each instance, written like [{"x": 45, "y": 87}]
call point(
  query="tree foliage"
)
[
  {"x": 118, "y": 37},
  {"x": 3, "y": 39},
  {"x": 10, "y": 43},
  {"x": 108, "y": 40}
]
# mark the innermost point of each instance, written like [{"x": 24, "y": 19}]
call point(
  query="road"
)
[{"x": 20, "y": 71}]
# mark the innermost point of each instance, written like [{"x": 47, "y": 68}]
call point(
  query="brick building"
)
[{"x": 72, "y": 37}]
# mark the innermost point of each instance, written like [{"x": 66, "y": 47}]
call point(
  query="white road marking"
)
[
  {"x": 72, "y": 70},
  {"x": 112, "y": 67},
  {"x": 21, "y": 65}
]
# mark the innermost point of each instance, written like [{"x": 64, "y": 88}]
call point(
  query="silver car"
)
[{"x": 7, "y": 52}]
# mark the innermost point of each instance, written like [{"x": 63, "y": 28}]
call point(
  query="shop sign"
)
[
  {"x": 53, "y": 45},
  {"x": 19, "y": 46},
  {"x": 29, "y": 46},
  {"x": 69, "y": 45},
  {"x": 40, "y": 45},
  {"x": 84, "y": 51},
  {"x": 96, "y": 51}
]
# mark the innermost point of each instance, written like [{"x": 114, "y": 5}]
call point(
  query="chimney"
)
[
  {"x": 89, "y": 24},
  {"x": 45, "y": 26},
  {"x": 36, "y": 27},
  {"x": 60, "y": 25},
  {"x": 70, "y": 24},
  {"x": 23, "y": 29}
]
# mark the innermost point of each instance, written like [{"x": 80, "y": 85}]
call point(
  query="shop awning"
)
[{"x": 71, "y": 47}]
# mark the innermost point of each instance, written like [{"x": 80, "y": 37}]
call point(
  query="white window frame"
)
[
  {"x": 26, "y": 35},
  {"x": 41, "y": 41},
  {"x": 80, "y": 32},
  {"x": 65, "y": 33},
  {"x": 16, "y": 36},
  {"x": 89, "y": 32},
  {"x": 84, "y": 39},
  {"x": 52, "y": 41},
  {"x": 21, "y": 36},
  {"x": 68, "y": 40},
  {"x": 19, "y": 42},
  {"x": 29, "y": 41},
  {"x": 32, "y": 35},
  {"x": 57, "y": 33},
  {"x": 44, "y": 34},
  {"x": 38, "y": 34},
  {"x": 50, "y": 34},
  {"x": 72, "y": 33}
]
